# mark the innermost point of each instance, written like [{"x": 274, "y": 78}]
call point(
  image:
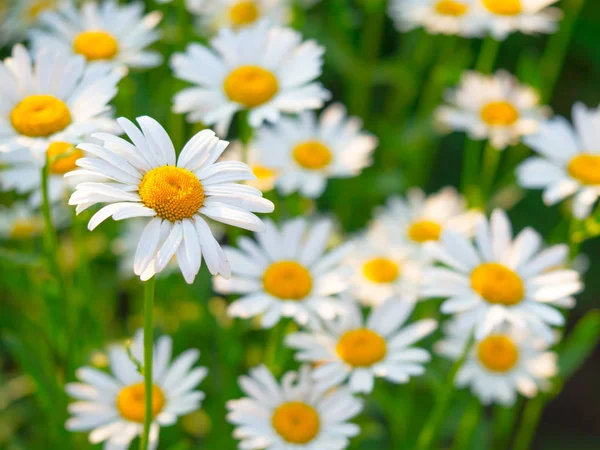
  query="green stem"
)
[
  {"x": 148, "y": 344},
  {"x": 468, "y": 425},
  {"x": 470, "y": 171},
  {"x": 487, "y": 55},
  {"x": 491, "y": 162},
  {"x": 531, "y": 417},
  {"x": 504, "y": 422}
]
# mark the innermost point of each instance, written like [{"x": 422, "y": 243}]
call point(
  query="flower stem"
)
[
  {"x": 491, "y": 162},
  {"x": 529, "y": 421},
  {"x": 468, "y": 425},
  {"x": 148, "y": 340},
  {"x": 487, "y": 55}
]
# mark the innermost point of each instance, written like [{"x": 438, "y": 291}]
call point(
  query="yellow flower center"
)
[
  {"x": 498, "y": 353},
  {"x": 504, "y": 7},
  {"x": 361, "y": 347},
  {"x": 381, "y": 270},
  {"x": 40, "y": 116},
  {"x": 243, "y": 13},
  {"x": 296, "y": 422},
  {"x": 287, "y": 280},
  {"x": 25, "y": 228},
  {"x": 451, "y": 8},
  {"x": 250, "y": 85},
  {"x": 424, "y": 230},
  {"x": 38, "y": 7},
  {"x": 174, "y": 193},
  {"x": 585, "y": 168},
  {"x": 63, "y": 156},
  {"x": 131, "y": 402},
  {"x": 96, "y": 45},
  {"x": 497, "y": 284},
  {"x": 499, "y": 114},
  {"x": 312, "y": 155},
  {"x": 262, "y": 172}
]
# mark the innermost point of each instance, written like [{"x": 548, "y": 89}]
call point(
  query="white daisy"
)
[
  {"x": 265, "y": 176},
  {"x": 18, "y": 16},
  {"x": 569, "y": 161},
  {"x": 286, "y": 273},
  {"x": 501, "y": 280},
  {"x": 350, "y": 348},
  {"x": 495, "y": 107},
  {"x": 306, "y": 153},
  {"x": 507, "y": 361},
  {"x": 144, "y": 179},
  {"x": 20, "y": 221},
  {"x": 295, "y": 414},
  {"x": 102, "y": 33},
  {"x": 52, "y": 98},
  {"x": 264, "y": 69},
  {"x": 112, "y": 405}
]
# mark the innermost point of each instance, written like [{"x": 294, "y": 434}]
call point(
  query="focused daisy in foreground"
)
[
  {"x": 144, "y": 179},
  {"x": 286, "y": 273},
  {"x": 495, "y": 107},
  {"x": 112, "y": 405},
  {"x": 295, "y": 414},
  {"x": 266, "y": 70},
  {"x": 349, "y": 348},
  {"x": 18, "y": 16},
  {"x": 306, "y": 152},
  {"x": 507, "y": 361},
  {"x": 568, "y": 162},
  {"x": 107, "y": 32},
  {"x": 52, "y": 98},
  {"x": 265, "y": 176},
  {"x": 501, "y": 280}
]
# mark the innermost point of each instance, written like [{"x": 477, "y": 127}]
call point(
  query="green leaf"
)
[{"x": 579, "y": 344}]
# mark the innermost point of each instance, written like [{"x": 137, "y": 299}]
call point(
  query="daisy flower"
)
[
  {"x": 568, "y": 162},
  {"x": 265, "y": 176},
  {"x": 19, "y": 221},
  {"x": 112, "y": 405},
  {"x": 102, "y": 33},
  {"x": 501, "y": 280},
  {"x": 350, "y": 348},
  {"x": 144, "y": 179},
  {"x": 295, "y": 414},
  {"x": 286, "y": 273},
  {"x": 507, "y": 361},
  {"x": 18, "y": 16},
  {"x": 495, "y": 107},
  {"x": 52, "y": 98},
  {"x": 264, "y": 69},
  {"x": 307, "y": 152}
]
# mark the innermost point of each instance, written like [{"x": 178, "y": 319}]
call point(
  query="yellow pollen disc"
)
[
  {"x": 498, "y": 353},
  {"x": 174, "y": 193},
  {"x": 497, "y": 284},
  {"x": 40, "y": 116},
  {"x": 39, "y": 7},
  {"x": 262, "y": 172},
  {"x": 64, "y": 155},
  {"x": 251, "y": 86},
  {"x": 96, "y": 45},
  {"x": 451, "y": 8},
  {"x": 287, "y": 280},
  {"x": 585, "y": 168},
  {"x": 131, "y": 402},
  {"x": 361, "y": 347},
  {"x": 381, "y": 270},
  {"x": 504, "y": 7},
  {"x": 243, "y": 13},
  {"x": 424, "y": 230},
  {"x": 499, "y": 114},
  {"x": 25, "y": 228},
  {"x": 296, "y": 422},
  {"x": 312, "y": 155}
]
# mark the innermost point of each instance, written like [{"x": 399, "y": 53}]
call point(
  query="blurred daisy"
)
[
  {"x": 18, "y": 16},
  {"x": 144, "y": 179},
  {"x": 266, "y": 70},
  {"x": 495, "y": 107},
  {"x": 112, "y": 405},
  {"x": 286, "y": 273},
  {"x": 507, "y": 361},
  {"x": 349, "y": 348},
  {"x": 307, "y": 153},
  {"x": 106, "y": 32},
  {"x": 501, "y": 280},
  {"x": 265, "y": 176},
  {"x": 295, "y": 414},
  {"x": 20, "y": 221},
  {"x": 569, "y": 161},
  {"x": 54, "y": 98}
]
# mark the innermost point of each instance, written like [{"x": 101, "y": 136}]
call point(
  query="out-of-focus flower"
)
[
  {"x": 294, "y": 414},
  {"x": 568, "y": 162},
  {"x": 500, "y": 280},
  {"x": 307, "y": 152},
  {"x": 112, "y": 405},
  {"x": 106, "y": 33},
  {"x": 20, "y": 221},
  {"x": 286, "y": 274},
  {"x": 18, "y": 16},
  {"x": 349, "y": 348},
  {"x": 507, "y": 361},
  {"x": 265, "y": 176},
  {"x": 495, "y": 107},
  {"x": 261, "y": 68},
  {"x": 144, "y": 179}
]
